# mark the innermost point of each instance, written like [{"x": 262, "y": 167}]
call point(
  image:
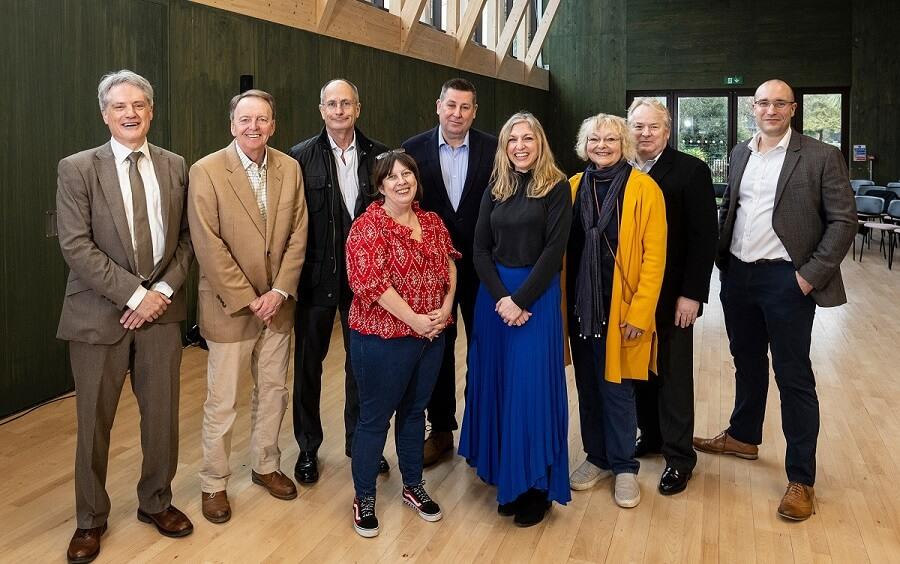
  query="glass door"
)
[{"x": 702, "y": 131}]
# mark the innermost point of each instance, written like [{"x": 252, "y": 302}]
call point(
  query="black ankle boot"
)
[{"x": 533, "y": 505}]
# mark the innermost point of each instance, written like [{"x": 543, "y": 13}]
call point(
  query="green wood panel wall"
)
[
  {"x": 586, "y": 53},
  {"x": 875, "y": 98},
  {"x": 54, "y": 54},
  {"x": 695, "y": 44},
  {"x": 56, "y": 51}
]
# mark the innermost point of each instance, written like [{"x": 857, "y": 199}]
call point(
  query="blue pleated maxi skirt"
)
[{"x": 515, "y": 429}]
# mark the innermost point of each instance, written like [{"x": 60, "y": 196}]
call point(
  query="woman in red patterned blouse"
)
[{"x": 400, "y": 268}]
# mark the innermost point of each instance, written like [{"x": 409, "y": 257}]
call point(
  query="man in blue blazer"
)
[{"x": 455, "y": 163}]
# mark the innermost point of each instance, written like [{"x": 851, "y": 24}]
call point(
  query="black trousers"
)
[
  {"x": 312, "y": 331},
  {"x": 765, "y": 309},
  {"x": 442, "y": 405},
  {"x": 665, "y": 403}
]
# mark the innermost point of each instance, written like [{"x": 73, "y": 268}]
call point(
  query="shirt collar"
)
[
  {"x": 783, "y": 144},
  {"x": 121, "y": 152},
  {"x": 648, "y": 163},
  {"x": 247, "y": 161},
  {"x": 334, "y": 146},
  {"x": 442, "y": 141}
]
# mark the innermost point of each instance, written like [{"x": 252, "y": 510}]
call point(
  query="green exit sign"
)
[{"x": 735, "y": 80}]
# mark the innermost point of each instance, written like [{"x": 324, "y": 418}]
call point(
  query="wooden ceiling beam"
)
[
  {"x": 540, "y": 34},
  {"x": 467, "y": 26}
]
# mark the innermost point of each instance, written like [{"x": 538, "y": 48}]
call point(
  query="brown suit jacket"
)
[
  {"x": 242, "y": 257},
  {"x": 814, "y": 215},
  {"x": 96, "y": 243}
]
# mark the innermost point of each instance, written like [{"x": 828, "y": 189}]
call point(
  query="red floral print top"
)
[{"x": 381, "y": 253}]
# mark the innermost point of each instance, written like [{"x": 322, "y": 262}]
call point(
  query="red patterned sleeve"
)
[{"x": 367, "y": 258}]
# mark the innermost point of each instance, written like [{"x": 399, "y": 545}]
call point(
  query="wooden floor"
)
[{"x": 727, "y": 513}]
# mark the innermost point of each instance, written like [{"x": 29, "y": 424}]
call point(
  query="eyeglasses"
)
[
  {"x": 652, "y": 127},
  {"x": 344, "y": 104},
  {"x": 399, "y": 151},
  {"x": 779, "y": 104}
]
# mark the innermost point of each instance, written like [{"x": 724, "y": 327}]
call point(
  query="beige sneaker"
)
[
  {"x": 628, "y": 492},
  {"x": 587, "y": 475}
]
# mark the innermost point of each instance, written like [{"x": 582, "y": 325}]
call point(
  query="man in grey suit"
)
[
  {"x": 124, "y": 235},
  {"x": 787, "y": 222}
]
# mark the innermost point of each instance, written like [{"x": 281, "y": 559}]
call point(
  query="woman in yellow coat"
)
[{"x": 614, "y": 270}]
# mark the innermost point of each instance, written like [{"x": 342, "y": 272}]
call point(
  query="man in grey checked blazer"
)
[{"x": 787, "y": 221}]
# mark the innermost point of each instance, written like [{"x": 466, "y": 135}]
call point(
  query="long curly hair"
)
[{"x": 545, "y": 173}]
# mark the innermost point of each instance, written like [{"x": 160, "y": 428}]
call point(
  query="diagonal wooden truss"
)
[{"x": 399, "y": 30}]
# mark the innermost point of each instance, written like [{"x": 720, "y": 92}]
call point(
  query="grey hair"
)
[
  {"x": 616, "y": 124},
  {"x": 123, "y": 76},
  {"x": 345, "y": 81},
  {"x": 654, "y": 104}
]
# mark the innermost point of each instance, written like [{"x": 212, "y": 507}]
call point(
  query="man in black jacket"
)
[
  {"x": 337, "y": 166},
  {"x": 455, "y": 163},
  {"x": 665, "y": 404}
]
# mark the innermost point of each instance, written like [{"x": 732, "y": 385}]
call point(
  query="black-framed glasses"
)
[{"x": 399, "y": 151}]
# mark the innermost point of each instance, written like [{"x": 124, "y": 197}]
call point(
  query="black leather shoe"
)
[
  {"x": 383, "y": 466},
  {"x": 673, "y": 480},
  {"x": 643, "y": 447},
  {"x": 307, "y": 469}
]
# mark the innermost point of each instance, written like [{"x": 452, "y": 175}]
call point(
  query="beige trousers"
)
[{"x": 267, "y": 358}]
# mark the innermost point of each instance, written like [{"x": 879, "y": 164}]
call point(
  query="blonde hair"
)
[
  {"x": 545, "y": 173},
  {"x": 615, "y": 124}
]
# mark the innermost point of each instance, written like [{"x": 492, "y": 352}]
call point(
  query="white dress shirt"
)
[
  {"x": 754, "y": 238},
  {"x": 154, "y": 209},
  {"x": 348, "y": 181}
]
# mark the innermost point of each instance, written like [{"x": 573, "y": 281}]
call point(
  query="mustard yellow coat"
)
[{"x": 637, "y": 278}]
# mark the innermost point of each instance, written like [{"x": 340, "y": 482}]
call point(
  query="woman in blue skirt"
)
[{"x": 515, "y": 429}]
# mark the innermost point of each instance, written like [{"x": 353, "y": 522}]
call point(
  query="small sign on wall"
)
[
  {"x": 859, "y": 153},
  {"x": 735, "y": 80}
]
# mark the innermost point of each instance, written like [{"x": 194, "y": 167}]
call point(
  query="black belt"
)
[{"x": 764, "y": 261}]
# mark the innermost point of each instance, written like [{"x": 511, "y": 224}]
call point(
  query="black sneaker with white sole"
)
[
  {"x": 364, "y": 520},
  {"x": 417, "y": 498}
]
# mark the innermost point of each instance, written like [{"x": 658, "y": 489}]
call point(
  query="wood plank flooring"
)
[{"x": 727, "y": 513}]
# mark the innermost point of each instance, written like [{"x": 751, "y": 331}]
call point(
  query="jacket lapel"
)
[
  {"x": 662, "y": 166},
  {"x": 240, "y": 184},
  {"x": 791, "y": 157},
  {"x": 474, "y": 163},
  {"x": 274, "y": 177},
  {"x": 163, "y": 178},
  {"x": 741, "y": 156},
  {"x": 434, "y": 155},
  {"x": 109, "y": 183}
]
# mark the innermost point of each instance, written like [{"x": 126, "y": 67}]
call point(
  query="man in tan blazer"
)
[
  {"x": 248, "y": 221},
  {"x": 124, "y": 235}
]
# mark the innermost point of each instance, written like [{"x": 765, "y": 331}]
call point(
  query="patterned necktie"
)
[
  {"x": 141, "y": 219},
  {"x": 257, "y": 176}
]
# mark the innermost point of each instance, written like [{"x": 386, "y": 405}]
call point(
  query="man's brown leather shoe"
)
[
  {"x": 437, "y": 445},
  {"x": 216, "y": 508},
  {"x": 723, "y": 443},
  {"x": 170, "y": 522},
  {"x": 85, "y": 545},
  {"x": 798, "y": 502},
  {"x": 278, "y": 484}
]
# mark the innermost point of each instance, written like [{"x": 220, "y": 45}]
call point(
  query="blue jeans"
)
[
  {"x": 608, "y": 411},
  {"x": 392, "y": 375}
]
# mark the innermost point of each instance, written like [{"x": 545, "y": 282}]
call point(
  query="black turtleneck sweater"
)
[{"x": 522, "y": 231}]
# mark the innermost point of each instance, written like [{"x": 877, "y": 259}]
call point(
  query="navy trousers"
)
[{"x": 765, "y": 309}]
